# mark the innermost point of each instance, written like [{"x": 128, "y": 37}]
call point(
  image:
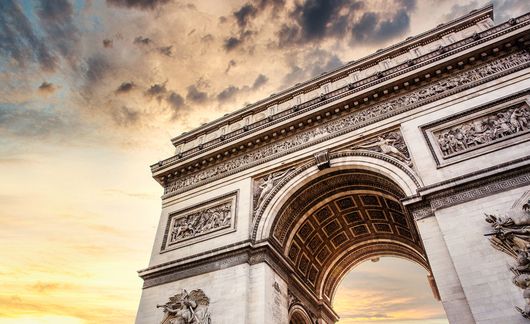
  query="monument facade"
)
[{"x": 420, "y": 151}]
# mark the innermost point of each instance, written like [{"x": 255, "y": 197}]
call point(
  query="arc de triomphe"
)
[{"x": 401, "y": 153}]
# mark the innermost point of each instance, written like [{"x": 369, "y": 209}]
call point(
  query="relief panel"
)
[
  {"x": 484, "y": 129},
  {"x": 213, "y": 218}
]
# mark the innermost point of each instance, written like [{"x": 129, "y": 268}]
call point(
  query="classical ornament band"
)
[{"x": 355, "y": 120}]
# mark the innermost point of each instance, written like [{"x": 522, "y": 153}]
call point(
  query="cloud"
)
[
  {"x": 107, "y": 43},
  {"x": 260, "y": 81},
  {"x": 231, "y": 43},
  {"x": 125, "y": 87},
  {"x": 195, "y": 95},
  {"x": 373, "y": 28},
  {"x": 56, "y": 19},
  {"x": 156, "y": 90},
  {"x": 47, "y": 87},
  {"x": 244, "y": 14},
  {"x": 18, "y": 40},
  {"x": 231, "y": 64},
  {"x": 97, "y": 67},
  {"x": 175, "y": 101},
  {"x": 125, "y": 116},
  {"x": 166, "y": 50},
  {"x": 28, "y": 123},
  {"x": 140, "y": 40},
  {"x": 138, "y": 4},
  {"x": 227, "y": 93}
]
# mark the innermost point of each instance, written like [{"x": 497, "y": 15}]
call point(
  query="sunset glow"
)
[{"x": 91, "y": 92}]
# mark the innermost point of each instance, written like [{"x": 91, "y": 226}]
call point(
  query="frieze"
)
[
  {"x": 480, "y": 130},
  {"x": 200, "y": 222},
  {"x": 390, "y": 143},
  {"x": 511, "y": 235},
  {"x": 355, "y": 120}
]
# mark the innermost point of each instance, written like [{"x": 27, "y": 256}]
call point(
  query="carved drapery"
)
[
  {"x": 511, "y": 235},
  {"x": 187, "y": 308},
  {"x": 353, "y": 121}
]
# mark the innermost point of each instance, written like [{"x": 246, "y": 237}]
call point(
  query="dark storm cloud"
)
[
  {"x": 228, "y": 93},
  {"x": 56, "y": 19},
  {"x": 156, "y": 90},
  {"x": 244, "y": 14},
  {"x": 175, "y": 100},
  {"x": 316, "y": 61},
  {"x": 138, "y": 4},
  {"x": 260, "y": 81},
  {"x": 18, "y": 40},
  {"x": 125, "y": 87},
  {"x": 107, "y": 43},
  {"x": 46, "y": 87},
  {"x": 166, "y": 50},
  {"x": 195, "y": 95},
  {"x": 231, "y": 43},
  {"x": 374, "y": 29},
  {"x": 140, "y": 40},
  {"x": 125, "y": 116}
]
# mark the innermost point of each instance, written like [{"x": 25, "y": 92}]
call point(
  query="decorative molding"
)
[
  {"x": 511, "y": 235},
  {"x": 213, "y": 218},
  {"x": 482, "y": 129},
  {"x": 479, "y": 189},
  {"x": 390, "y": 143},
  {"x": 357, "y": 119},
  {"x": 420, "y": 211},
  {"x": 187, "y": 308}
]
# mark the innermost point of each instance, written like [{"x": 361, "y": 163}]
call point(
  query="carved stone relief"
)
[
  {"x": 355, "y": 120},
  {"x": 187, "y": 308},
  {"x": 511, "y": 235},
  {"x": 264, "y": 185},
  {"x": 482, "y": 127},
  {"x": 391, "y": 144},
  {"x": 201, "y": 221}
]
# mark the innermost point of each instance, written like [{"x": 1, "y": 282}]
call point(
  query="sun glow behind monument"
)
[{"x": 381, "y": 292}]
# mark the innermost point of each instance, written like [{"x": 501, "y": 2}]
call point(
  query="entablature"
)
[{"x": 354, "y": 77}]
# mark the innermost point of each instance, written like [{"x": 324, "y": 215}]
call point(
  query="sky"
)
[{"x": 91, "y": 92}]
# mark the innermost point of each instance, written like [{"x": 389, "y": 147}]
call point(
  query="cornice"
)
[
  {"x": 328, "y": 126},
  {"x": 350, "y": 89}
]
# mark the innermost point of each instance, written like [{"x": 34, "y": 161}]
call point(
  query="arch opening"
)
[
  {"x": 371, "y": 291},
  {"x": 340, "y": 219}
]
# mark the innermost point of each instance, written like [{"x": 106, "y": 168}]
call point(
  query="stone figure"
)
[
  {"x": 511, "y": 235},
  {"x": 391, "y": 144},
  {"x": 187, "y": 308},
  {"x": 266, "y": 186}
]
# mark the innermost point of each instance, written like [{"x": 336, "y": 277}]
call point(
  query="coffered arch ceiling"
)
[{"x": 341, "y": 219}]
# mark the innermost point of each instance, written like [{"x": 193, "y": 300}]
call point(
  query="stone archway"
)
[{"x": 339, "y": 219}]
